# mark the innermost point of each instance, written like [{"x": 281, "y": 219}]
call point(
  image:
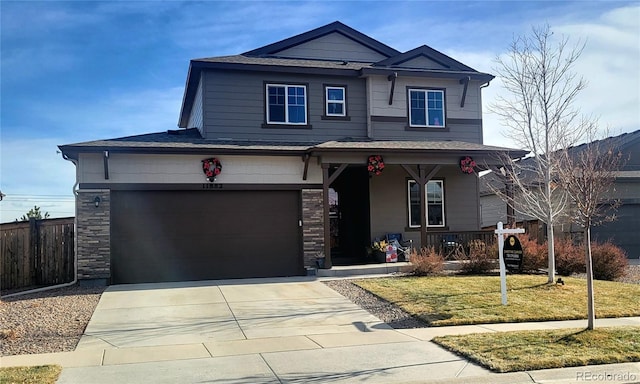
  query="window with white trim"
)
[
  {"x": 286, "y": 104},
  {"x": 335, "y": 101},
  {"x": 426, "y": 108},
  {"x": 434, "y": 201}
]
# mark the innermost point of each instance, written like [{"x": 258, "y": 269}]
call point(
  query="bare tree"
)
[
  {"x": 588, "y": 174},
  {"x": 539, "y": 114}
]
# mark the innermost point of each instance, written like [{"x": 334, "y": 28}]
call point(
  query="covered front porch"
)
[{"x": 418, "y": 182}]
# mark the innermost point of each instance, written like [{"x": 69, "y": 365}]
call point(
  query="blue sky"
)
[{"x": 74, "y": 71}]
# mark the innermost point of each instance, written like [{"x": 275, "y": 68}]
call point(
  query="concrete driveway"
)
[{"x": 249, "y": 331}]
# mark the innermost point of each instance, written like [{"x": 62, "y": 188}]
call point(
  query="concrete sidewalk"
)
[{"x": 274, "y": 331}]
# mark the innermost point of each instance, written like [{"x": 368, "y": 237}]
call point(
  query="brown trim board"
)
[
  {"x": 404, "y": 119},
  {"x": 196, "y": 186}
]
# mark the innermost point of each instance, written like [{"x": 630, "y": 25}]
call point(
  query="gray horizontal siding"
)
[
  {"x": 471, "y": 133},
  {"x": 389, "y": 211},
  {"x": 195, "y": 119},
  {"x": 234, "y": 106},
  {"x": 333, "y": 46}
]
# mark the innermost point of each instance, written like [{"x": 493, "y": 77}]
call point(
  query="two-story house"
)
[{"x": 327, "y": 139}]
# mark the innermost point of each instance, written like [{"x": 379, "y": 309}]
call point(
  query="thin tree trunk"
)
[
  {"x": 591, "y": 315},
  {"x": 551, "y": 252}
]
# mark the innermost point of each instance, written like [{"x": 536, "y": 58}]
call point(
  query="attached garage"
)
[
  {"x": 159, "y": 236},
  {"x": 623, "y": 231}
]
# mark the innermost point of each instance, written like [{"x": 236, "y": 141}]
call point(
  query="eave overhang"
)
[{"x": 432, "y": 73}]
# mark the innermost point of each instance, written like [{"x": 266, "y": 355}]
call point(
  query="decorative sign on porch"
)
[
  {"x": 211, "y": 168},
  {"x": 467, "y": 164},
  {"x": 375, "y": 165},
  {"x": 512, "y": 253}
]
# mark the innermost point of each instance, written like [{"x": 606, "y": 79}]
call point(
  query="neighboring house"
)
[
  {"x": 293, "y": 124},
  {"x": 622, "y": 232}
]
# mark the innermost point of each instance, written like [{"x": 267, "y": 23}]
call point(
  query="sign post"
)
[{"x": 503, "y": 273}]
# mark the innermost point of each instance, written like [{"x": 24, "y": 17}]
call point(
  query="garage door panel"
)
[
  {"x": 623, "y": 231},
  {"x": 193, "y": 235}
]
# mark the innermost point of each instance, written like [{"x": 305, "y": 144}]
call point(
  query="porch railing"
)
[{"x": 449, "y": 244}]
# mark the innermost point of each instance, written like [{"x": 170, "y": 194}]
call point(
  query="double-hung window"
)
[
  {"x": 335, "y": 101},
  {"x": 434, "y": 200},
  {"x": 286, "y": 104},
  {"x": 426, "y": 108}
]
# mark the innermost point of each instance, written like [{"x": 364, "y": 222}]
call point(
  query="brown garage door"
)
[{"x": 197, "y": 235}]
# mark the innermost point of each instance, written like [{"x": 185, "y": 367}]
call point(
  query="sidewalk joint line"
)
[
  {"x": 531, "y": 377},
  {"x": 207, "y": 349},
  {"x": 466, "y": 364},
  {"x": 271, "y": 369},
  {"x": 315, "y": 342},
  {"x": 233, "y": 314}
]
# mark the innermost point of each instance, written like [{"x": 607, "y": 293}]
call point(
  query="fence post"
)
[{"x": 34, "y": 251}]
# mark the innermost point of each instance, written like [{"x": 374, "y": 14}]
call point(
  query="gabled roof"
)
[
  {"x": 266, "y": 59},
  {"x": 183, "y": 141},
  {"x": 429, "y": 53},
  {"x": 336, "y": 26},
  {"x": 622, "y": 142}
]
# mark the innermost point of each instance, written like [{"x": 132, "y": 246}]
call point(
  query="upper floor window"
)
[
  {"x": 335, "y": 101},
  {"x": 426, "y": 108},
  {"x": 286, "y": 104},
  {"x": 434, "y": 201}
]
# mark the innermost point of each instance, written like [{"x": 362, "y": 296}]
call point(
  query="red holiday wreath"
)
[
  {"x": 467, "y": 164},
  {"x": 375, "y": 165},
  {"x": 211, "y": 168}
]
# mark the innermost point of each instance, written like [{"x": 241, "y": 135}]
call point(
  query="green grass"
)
[
  {"x": 43, "y": 374},
  {"x": 529, "y": 350},
  {"x": 456, "y": 300}
]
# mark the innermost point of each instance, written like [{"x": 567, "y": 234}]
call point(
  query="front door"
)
[{"x": 349, "y": 216}]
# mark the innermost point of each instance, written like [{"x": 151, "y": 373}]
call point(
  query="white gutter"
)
[{"x": 75, "y": 245}]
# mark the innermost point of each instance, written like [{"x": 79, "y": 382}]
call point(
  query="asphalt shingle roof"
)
[{"x": 190, "y": 140}]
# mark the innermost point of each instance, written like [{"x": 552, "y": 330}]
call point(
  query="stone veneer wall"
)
[
  {"x": 94, "y": 235},
  {"x": 313, "y": 226}
]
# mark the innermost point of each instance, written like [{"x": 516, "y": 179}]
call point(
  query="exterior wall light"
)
[{"x": 96, "y": 201}]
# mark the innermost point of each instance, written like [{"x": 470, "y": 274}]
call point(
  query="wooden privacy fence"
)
[{"x": 36, "y": 253}]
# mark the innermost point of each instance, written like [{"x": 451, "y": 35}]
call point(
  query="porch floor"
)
[{"x": 375, "y": 269}]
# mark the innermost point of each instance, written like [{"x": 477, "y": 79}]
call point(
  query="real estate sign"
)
[{"x": 513, "y": 254}]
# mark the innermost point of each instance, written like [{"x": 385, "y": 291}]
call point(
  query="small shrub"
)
[
  {"x": 8, "y": 334},
  {"x": 427, "y": 262},
  {"x": 570, "y": 258},
  {"x": 609, "y": 261},
  {"x": 535, "y": 254},
  {"x": 480, "y": 258}
]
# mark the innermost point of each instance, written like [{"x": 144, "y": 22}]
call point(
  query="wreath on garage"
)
[{"x": 211, "y": 168}]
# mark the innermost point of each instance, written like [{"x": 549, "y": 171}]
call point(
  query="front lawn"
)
[
  {"x": 43, "y": 374},
  {"x": 530, "y": 350},
  {"x": 456, "y": 300}
]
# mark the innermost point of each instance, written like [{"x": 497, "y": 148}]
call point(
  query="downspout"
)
[
  {"x": 75, "y": 244},
  {"x": 369, "y": 91}
]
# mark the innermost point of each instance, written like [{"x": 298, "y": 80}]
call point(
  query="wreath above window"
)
[
  {"x": 467, "y": 164},
  {"x": 375, "y": 165},
  {"x": 211, "y": 168}
]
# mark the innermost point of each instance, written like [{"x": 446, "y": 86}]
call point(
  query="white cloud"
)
[
  {"x": 610, "y": 63},
  {"x": 34, "y": 174},
  {"x": 118, "y": 113}
]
